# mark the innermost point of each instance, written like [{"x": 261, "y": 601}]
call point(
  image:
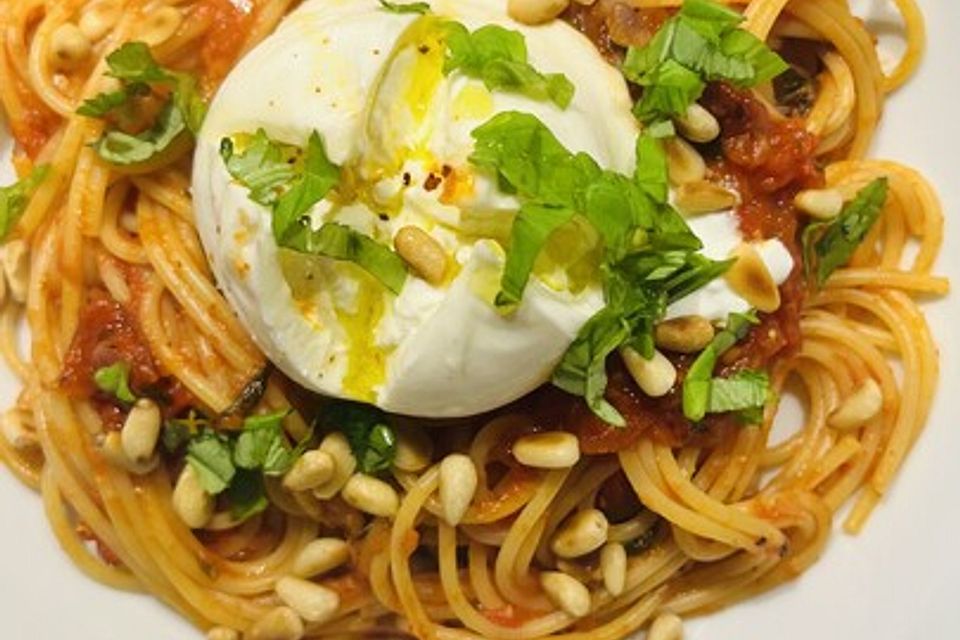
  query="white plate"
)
[{"x": 896, "y": 581}]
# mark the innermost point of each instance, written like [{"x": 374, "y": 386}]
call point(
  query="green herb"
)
[
  {"x": 701, "y": 43},
  {"x": 211, "y": 456},
  {"x": 177, "y": 432},
  {"x": 498, "y": 57},
  {"x": 181, "y": 117},
  {"x": 247, "y": 495},
  {"x": 372, "y": 440},
  {"x": 15, "y": 198},
  {"x": 400, "y": 7},
  {"x": 747, "y": 389},
  {"x": 698, "y": 383},
  {"x": 291, "y": 181},
  {"x": 830, "y": 245},
  {"x": 115, "y": 380}
]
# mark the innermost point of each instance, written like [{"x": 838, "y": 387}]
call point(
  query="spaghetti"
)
[{"x": 708, "y": 519}]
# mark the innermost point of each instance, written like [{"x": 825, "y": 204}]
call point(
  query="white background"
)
[{"x": 896, "y": 581}]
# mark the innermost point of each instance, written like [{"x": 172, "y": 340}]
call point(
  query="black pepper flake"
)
[
  {"x": 432, "y": 182},
  {"x": 424, "y": 49},
  {"x": 446, "y": 170},
  {"x": 407, "y": 179},
  {"x": 383, "y": 217}
]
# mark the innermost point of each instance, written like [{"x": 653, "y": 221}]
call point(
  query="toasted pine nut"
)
[
  {"x": 458, "y": 484},
  {"x": 141, "y": 430},
  {"x": 424, "y": 254},
  {"x": 698, "y": 197},
  {"x": 111, "y": 448},
  {"x": 335, "y": 444},
  {"x": 687, "y": 334},
  {"x": 585, "y": 532},
  {"x": 320, "y": 556},
  {"x": 750, "y": 279},
  {"x": 313, "y": 469},
  {"x": 370, "y": 495},
  {"x": 281, "y": 623},
  {"x": 160, "y": 25},
  {"x": 15, "y": 432},
  {"x": 414, "y": 449},
  {"x": 655, "y": 376},
  {"x": 667, "y": 626},
  {"x": 858, "y": 409},
  {"x": 684, "y": 163},
  {"x": 536, "y": 11},
  {"x": 698, "y": 124},
  {"x": 98, "y": 19},
  {"x": 822, "y": 204},
  {"x": 223, "y": 633},
  {"x": 16, "y": 269},
  {"x": 547, "y": 450},
  {"x": 566, "y": 592},
  {"x": 313, "y": 602},
  {"x": 613, "y": 567},
  {"x": 69, "y": 48},
  {"x": 194, "y": 505}
]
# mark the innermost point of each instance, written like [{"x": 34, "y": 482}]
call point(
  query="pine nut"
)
[
  {"x": 698, "y": 124},
  {"x": 141, "y": 430},
  {"x": 320, "y": 556},
  {"x": 536, "y": 11},
  {"x": 313, "y": 469},
  {"x": 160, "y": 25},
  {"x": 684, "y": 163},
  {"x": 585, "y": 532},
  {"x": 15, "y": 432},
  {"x": 547, "y": 450},
  {"x": 370, "y": 495},
  {"x": 69, "y": 48},
  {"x": 223, "y": 633},
  {"x": 667, "y": 626},
  {"x": 750, "y": 279},
  {"x": 313, "y": 602},
  {"x": 566, "y": 593},
  {"x": 16, "y": 269},
  {"x": 687, "y": 334},
  {"x": 424, "y": 254},
  {"x": 822, "y": 204},
  {"x": 655, "y": 376},
  {"x": 97, "y": 20},
  {"x": 613, "y": 568},
  {"x": 698, "y": 197},
  {"x": 458, "y": 484},
  {"x": 281, "y": 623},
  {"x": 194, "y": 505},
  {"x": 111, "y": 448},
  {"x": 858, "y": 409},
  {"x": 337, "y": 447},
  {"x": 414, "y": 449}
]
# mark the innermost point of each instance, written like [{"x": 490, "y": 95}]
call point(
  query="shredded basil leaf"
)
[
  {"x": 15, "y": 198},
  {"x": 211, "y": 457},
  {"x": 402, "y": 8},
  {"x": 372, "y": 440},
  {"x": 531, "y": 228},
  {"x": 115, "y": 380},
  {"x": 830, "y": 245},
  {"x": 747, "y": 389},
  {"x": 498, "y": 57},
  {"x": 124, "y": 149},
  {"x": 247, "y": 495}
]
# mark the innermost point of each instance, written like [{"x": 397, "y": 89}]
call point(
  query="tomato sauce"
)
[
  {"x": 229, "y": 26},
  {"x": 37, "y": 124}
]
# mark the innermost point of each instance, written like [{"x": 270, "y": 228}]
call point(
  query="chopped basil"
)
[
  {"x": 177, "y": 432},
  {"x": 139, "y": 74},
  {"x": 701, "y": 43},
  {"x": 401, "y": 7},
  {"x": 747, "y": 389},
  {"x": 247, "y": 495},
  {"x": 211, "y": 457},
  {"x": 290, "y": 181},
  {"x": 115, "y": 380},
  {"x": 830, "y": 245},
  {"x": 372, "y": 440},
  {"x": 498, "y": 57},
  {"x": 15, "y": 198}
]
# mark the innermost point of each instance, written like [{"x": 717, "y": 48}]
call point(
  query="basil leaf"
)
[
  {"x": 246, "y": 495},
  {"x": 15, "y": 198},
  {"x": 498, "y": 57},
  {"x": 108, "y": 102},
  {"x": 133, "y": 62},
  {"x": 697, "y": 383},
  {"x": 260, "y": 435},
  {"x": 652, "y": 173},
  {"x": 124, "y": 149},
  {"x": 830, "y": 245},
  {"x": 319, "y": 177},
  {"x": 372, "y": 440},
  {"x": 264, "y": 166},
  {"x": 744, "y": 390},
  {"x": 115, "y": 380},
  {"x": 531, "y": 229},
  {"x": 668, "y": 90},
  {"x": 211, "y": 457},
  {"x": 766, "y": 65},
  {"x": 401, "y": 8}
]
